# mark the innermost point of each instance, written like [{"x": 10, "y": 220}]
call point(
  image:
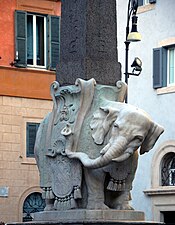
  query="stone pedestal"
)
[
  {"x": 88, "y": 42},
  {"x": 89, "y": 216}
]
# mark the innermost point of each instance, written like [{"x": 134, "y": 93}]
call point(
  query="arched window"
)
[
  {"x": 168, "y": 169},
  {"x": 33, "y": 203},
  {"x": 162, "y": 192}
]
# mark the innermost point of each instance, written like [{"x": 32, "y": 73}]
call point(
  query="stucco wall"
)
[{"x": 155, "y": 24}]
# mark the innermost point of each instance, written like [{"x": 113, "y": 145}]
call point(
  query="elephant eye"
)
[
  {"x": 116, "y": 125},
  {"x": 140, "y": 138}
]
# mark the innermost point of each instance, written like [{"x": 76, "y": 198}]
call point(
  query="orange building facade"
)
[
  {"x": 24, "y": 98},
  {"x": 15, "y": 81}
]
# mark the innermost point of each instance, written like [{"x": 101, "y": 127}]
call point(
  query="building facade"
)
[
  {"x": 153, "y": 91},
  {"x": 29, "y": 51}
]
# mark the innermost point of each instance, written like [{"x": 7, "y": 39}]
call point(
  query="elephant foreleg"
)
[
  {"x": 95, "y": 187},
  {"x": 123, "y": 201}
]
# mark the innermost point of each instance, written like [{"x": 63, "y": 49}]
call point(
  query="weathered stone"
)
[
  {"x": 82, "y": 216},
  {"x": 89, "y": 130},
  {"x": 88, "y": 45}
]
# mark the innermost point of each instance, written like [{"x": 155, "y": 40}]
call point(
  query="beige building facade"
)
[
  {"x": 19, "y": 175},
  {"x": 27, "y": 69}
]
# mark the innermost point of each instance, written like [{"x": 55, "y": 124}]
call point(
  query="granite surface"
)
[{"x": 88, "y": 42}]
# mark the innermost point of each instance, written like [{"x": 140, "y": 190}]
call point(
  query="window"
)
[
  {"x": 170, "y": 66},
  {"x": 163, "y": 66},
  {"x": 33, "y": 203},
  {"x": 37, "y": 40},
  {"x": 168, "y": 170},
  {"x": 145, "y": 2},
  {"x": 168, "y": 217},
  {"x": 31, "y": 130}
]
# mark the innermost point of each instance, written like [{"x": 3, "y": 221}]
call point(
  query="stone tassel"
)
[
  {"x": 115, "y": 186},
  {"x": 73, "y": 202},
  {"x": 51, "y": 194},
  {"x": 47, "y": 193},
  {"x": 77, "y": 193},
  {"x": 44, "y": 193},
  {"x": 120, "y": 185},
  {"x": 68, "y": 203},
  {"x": 111, "y": 185},
  {"x": 63, "y": 204},
  {"x": 123, "y": 185},
  {"x": 56, "y": 203}
]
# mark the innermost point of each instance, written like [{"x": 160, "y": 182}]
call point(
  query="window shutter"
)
[
  {"x": 54, "y": 41},
  {"x": 152, "y": 1},
  {"x": 140, "y": 2},
  {"x": 21, "y": 38},
  {"x": 159, "y": 67},
  {"x": 31, "y": 136},
  {"x": 164, "y": 67}
]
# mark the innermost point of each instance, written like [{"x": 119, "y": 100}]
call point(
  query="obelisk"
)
[{"x": 88, "y": 42}]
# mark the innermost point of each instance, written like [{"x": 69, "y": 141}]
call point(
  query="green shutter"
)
[
  {"x": 159, "y": 67},
  {"x": 30, "y": 138},
  {"x": 21, "y": 38},
  {"x": 54, "y": 41}
]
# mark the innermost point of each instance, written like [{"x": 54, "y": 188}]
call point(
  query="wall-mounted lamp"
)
[
  {"x": 133, "y": 36},
  {"x": 137, "y": 67}
]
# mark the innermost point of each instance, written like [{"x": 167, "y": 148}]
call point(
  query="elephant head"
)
[{"x": 128, "y": 128}]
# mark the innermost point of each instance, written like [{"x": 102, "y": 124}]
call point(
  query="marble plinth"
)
[
  {"x": 89, "y": 217},
  {"x": 82, "y": 216}
]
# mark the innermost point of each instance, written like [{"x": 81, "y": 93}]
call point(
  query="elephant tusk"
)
[{"x": 122, "y": 157}]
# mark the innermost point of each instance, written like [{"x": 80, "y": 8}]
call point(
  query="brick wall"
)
[{"x": 17, "y": 172}]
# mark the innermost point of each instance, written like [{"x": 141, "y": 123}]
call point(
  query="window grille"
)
[
  {"x": 33, "y": 203},
  {"x": 168, "y": 170}
]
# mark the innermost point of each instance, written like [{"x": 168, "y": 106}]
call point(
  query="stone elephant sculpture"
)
[
  {"x": 128, "y": 128},
  {"x": 86, "y": 148}
]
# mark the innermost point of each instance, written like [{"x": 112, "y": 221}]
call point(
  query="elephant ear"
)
[
  {"x": 153, "y": 134},
  {"x": 101, "y": 122}
]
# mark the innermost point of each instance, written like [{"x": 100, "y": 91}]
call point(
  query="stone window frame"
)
[{"x": 162, "y": 197}]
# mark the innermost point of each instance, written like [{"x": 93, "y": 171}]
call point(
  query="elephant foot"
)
[
  {"x": 97, "y": 206},
  {"x": 124, "y": 206}
]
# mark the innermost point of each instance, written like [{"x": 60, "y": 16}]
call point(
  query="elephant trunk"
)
[{"x": 112, "y": 150}]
